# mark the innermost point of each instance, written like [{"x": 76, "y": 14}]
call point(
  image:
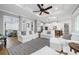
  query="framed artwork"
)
[
  {"x": 32, "y": 26},
  {"x": 46, "y": 28},
  {"x": 30, "y": 32},
  {"x": 28, "y": 25},
  {"x": 23, "y": 32},
  {"x": 54, "y": 27}
]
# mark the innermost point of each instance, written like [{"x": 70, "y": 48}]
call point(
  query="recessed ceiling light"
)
[
  {"x": 56, "y": 8},
  {"x": 54, "y": 17}
]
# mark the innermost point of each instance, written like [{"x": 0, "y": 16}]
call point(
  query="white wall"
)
[
  {"x": 17, "y": 10},
  {"x": 23, "y": 24},
  {"x": 30, "y": 32},
  {"x": 68, "y": 21},
  {"x": 24, "y": 27},
  {"x": 1, "y": 24},
  {"x": 60, "y": 23},
  {"x": 39, "y": 24}
]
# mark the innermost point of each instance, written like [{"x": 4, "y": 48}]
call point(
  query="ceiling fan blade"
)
[
  {"x": 48, "y": 8},
  {"x": 46, "y": 12},
  {"x": 40, "y": 13},
  {"x": 36, "y": 11},
  {"x": 39, "y": 6}
]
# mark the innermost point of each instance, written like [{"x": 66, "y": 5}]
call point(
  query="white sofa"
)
[
  {"x": 45, "y": 34},
  {"x": 75, "y": 36},
  {"x": 26, "y": 38},
  {"x": 58, "y": 43}
]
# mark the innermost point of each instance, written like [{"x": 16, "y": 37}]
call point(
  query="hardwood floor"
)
[
  {"x": 30, "y": 46},
  {"x": 11, "y": 41},
  {"x": 4, "y": 51}
]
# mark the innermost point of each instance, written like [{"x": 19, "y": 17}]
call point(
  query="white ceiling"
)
[
  {"x": 17, "y": 10},
  {"x": 57, "y": 12}
]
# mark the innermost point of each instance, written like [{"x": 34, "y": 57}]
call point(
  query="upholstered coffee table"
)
[
  {"x": 59, "y": 45},
  {"x": 74, "y": 46}
]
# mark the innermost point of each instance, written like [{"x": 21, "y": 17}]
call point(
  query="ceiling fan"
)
[{"x": 42, "y": 9}]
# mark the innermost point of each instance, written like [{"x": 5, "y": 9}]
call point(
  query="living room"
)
[{"x": 50, "y": 28}]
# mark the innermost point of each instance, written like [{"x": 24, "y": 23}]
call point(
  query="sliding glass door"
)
[{"x": 77, "y": 24}]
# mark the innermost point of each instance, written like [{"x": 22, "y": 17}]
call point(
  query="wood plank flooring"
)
[
  {"x": 35, "y": 45},
  {"x": 11, "y": 41}
]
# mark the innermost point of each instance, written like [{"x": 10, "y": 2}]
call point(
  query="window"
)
[
  {"x": 77, "y": 24},
  {"x": 12, "y": 23}
]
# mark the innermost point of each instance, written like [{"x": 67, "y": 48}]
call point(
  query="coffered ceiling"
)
[{"x": 59, "y": 11}]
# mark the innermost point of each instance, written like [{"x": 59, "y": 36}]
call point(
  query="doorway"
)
[
  {"x": 10, "y": 26},
  {"x": 66, "y": 28},
  {"x": 10, "y": 30}
]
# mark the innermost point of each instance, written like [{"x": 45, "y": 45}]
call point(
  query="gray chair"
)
[{"x": 67, "y": 36}]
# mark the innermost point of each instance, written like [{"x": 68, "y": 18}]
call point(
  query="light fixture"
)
[
  {"x": 54, "y": 17},
  {"x": 56, "y": 8}
]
